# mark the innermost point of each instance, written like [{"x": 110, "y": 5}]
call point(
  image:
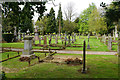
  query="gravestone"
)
[
  {"x": 109, "y": 42},
  {"x": 45, "y": 40},
  {"x": 88, "y": 46},
  {"x": 69, "y": 40},
  {"x": 36, "y": 34},
  {"x": 56, "y": 40},
  {"x": 15, "y": 34},
  {"x": 27, "y": 47},
  {"x": 72, "y": 39},
  {"x": 23, "y": 35},
  {"x": 104, "y": 39},
  {"x": 74, "y": 36},
  {"x": 116, "y": 32},
  {"x": 33, "y": 41},
  {"x": 39, "y": 40},
  {"x": 19, "y": 36},
  {"x": 113, "y": 35}
]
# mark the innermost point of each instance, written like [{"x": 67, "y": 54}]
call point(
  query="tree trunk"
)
[{"x": 119, "y": 38}]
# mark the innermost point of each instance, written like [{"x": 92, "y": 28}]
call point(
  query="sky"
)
[{"x": 79, "y": 6}]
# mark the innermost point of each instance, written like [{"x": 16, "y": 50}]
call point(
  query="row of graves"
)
[
  {"x": 28, "y": 54},
  {"x": 110, "y": 40}
]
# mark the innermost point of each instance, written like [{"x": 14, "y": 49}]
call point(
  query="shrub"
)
[{"x": 8, "y": 37}]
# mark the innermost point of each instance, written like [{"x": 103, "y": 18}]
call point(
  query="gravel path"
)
[{"x": 73, "y": 52}]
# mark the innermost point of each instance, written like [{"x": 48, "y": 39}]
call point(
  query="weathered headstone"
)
[
  {"x": 72, "y": 39},
  {"x": 36, "y": 34},
  {"x": 69, "y": 40},
  {"x": 23, "y": 35},
  {"x": 88, "y": 46},
  {"x": 15, "y": 34},
  {"x": 19, "y": 35},
  {"x": 27, "y": 47},
  {"x": 109, "y": 42},
  {"x": 39, "y": 41},
  {"x": 74, "y": 36},
  {"x": 56, "y": 40},
  {"x": 113, "y": 35}
]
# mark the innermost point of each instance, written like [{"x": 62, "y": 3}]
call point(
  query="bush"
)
[{"x": 8, "y": 37}]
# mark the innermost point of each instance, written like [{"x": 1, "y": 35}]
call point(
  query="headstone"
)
[
  {"x": 23, "y": 35},
  {"x": 27, "y": 47},
  {"x": 72, "y": 39},
  {"x": 33, "y": 41},
  {"x": 45, "y": 40},
  {"x": 69, "y": 40},
  {"x": 88, "y": 46},
  {"x": 116, "y": 32},
  {"x": 15, "y": 34},
  {"x": 104, "y": 39},
  {"x": 36, "y": 34},
  {"x": 79, "y": 35},
  {"x": 56, "y": 40},
  {"x": 39, "y": 41},
  {"x": 19, "y": 36},
  {"x": 113, "y": 35},
  {"x": 74, "y": 36},
  {"x": 109, "y": 42}
]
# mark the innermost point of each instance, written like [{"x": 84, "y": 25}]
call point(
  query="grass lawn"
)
[
  {"x": 99, "y": 66},
  {"x": 95, "y": 44}
]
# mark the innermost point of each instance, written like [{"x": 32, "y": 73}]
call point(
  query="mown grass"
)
[
  {"x": 95, "y": 44},
  {"x": 99, "y": 66}
]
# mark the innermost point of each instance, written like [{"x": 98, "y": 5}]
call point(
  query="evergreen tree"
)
[
  {"x": 51, "y": 22},
  {"x": 59, "y": 20}
]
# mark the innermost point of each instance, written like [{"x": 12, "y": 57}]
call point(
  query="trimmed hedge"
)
[{"x": 8, "y": 37}]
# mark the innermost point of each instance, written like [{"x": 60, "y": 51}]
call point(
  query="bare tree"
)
[{"x": 70, "y": 11}]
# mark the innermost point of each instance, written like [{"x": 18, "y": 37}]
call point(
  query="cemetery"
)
[{"x": 46, "y": 49}]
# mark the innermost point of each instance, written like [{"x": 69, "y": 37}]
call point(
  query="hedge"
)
[{"x": 8, "y": 37}]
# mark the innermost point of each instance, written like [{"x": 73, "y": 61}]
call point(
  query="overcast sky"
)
[{"x": 79, "y": 5}]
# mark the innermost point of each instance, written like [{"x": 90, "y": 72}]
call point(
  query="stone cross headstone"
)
[
  {"x": 27, "y": 47},
  {"x": 45, "y": 40},
  {"x": 109, "y": 42}
]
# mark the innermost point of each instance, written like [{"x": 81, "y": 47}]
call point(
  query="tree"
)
[
  {"x": 51, "y": 22},
  {"x": 112, "y": 13},
  {"x": 59, "y": 20},
  {"x": 70, "y": 11},
  {"x": 69, "y": 27},
  {"x": 42, "y": 24},
  {"x": 96, "y": 22},
  {"x": 20, "y": 16},
  {"x": 83, "y": 19}
]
